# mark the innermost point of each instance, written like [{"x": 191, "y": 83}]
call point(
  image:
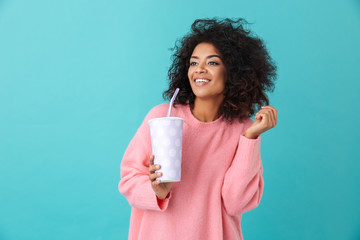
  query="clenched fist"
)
[{"x": 266, "y": 119}]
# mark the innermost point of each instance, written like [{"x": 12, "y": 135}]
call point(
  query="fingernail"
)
[
  {"x": 157, "y": 166},
  {"x": 158, "y": 174}
]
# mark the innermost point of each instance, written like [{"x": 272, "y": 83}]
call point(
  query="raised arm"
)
[{"x": 243, "y": 183}]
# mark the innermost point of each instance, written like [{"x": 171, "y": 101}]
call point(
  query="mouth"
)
[{"x": 201, "y": 81}]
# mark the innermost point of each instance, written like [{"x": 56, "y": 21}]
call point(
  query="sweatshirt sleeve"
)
[
  {"x": 243, "y": 182},
  {"x": 135, "y": 183}
]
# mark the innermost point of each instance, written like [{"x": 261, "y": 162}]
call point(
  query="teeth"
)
[{"x": 202, "y": 80}]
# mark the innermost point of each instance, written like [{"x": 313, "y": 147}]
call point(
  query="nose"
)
[{"x": 200, "y": 68}]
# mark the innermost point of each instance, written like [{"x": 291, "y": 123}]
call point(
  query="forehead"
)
[{"x": 205, "y": 48}]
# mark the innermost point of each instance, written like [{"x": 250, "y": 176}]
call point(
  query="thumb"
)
[
  {"x": 151, "y": 159},
  {"x": 258, "y": 117}
]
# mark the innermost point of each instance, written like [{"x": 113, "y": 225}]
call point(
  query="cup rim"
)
[{"x": 166, "y": 118}]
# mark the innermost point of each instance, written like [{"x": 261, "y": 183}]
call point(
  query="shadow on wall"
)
[
  {"x": 357, "y": 231},
  {"x": 357, "y": 234},
  {"x": 1, "y": 4},
  {"x": 357, "y": 3},
  {"x": 2, "y": 8}
]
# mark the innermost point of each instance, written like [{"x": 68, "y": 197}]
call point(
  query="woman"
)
[{"x": 222, "y": 72}]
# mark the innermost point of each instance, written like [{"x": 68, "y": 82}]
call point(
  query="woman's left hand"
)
[{"x": 266, "y": 119}]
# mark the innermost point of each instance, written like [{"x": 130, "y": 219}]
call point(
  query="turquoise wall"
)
[{"x": 78, "y": 77}]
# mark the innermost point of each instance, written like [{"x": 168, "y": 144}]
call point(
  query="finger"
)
[
  {"x": 153, "y": 176},
  {"x": 269, "y": 112},
  {"x": 151, "y": 163},
  {"x": 260, "y": 116},
  {"x": 153, "y": 168},
  {"x": 272, "y": 108},
  {"x": 155, "y": 183},
  {"x": 273, "y": 114},
  {"x": 151, "y": 159},
  {"x": 260, "y": 113},
  {"x": 274, "y": 111},
  {"x": 266, "y": 116}
]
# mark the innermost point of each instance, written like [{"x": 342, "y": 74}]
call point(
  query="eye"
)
[
  {"x": 193, "y": 63},
  {"x": 213, "y": 63}
]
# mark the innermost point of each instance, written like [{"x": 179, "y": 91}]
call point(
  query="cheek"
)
[
  {"x": 224, "y": 76},
  {"x": 189, "y": 74},
  {"x": 221, "y": 75}
]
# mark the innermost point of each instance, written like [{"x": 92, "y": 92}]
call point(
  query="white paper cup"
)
[{"x": 166, "y": 143}]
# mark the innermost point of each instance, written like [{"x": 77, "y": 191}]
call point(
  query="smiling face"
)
[{"x": 207, "y": 73}]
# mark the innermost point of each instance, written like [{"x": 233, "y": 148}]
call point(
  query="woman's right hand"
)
[{"x": 161, "y": 189}]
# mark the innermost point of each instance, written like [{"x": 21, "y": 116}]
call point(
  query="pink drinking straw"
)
[{"x": 172, "y": 101}]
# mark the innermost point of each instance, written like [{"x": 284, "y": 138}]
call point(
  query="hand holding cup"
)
[{"x": 161, "y": 189}]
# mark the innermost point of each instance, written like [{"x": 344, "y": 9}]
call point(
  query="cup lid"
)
[{"x": 175, "y": 118}]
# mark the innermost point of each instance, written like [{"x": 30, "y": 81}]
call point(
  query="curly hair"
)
[{"x": 250, "y": 69}]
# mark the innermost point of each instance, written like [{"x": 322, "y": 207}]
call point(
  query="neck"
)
[{"x": 206, "y": 110}]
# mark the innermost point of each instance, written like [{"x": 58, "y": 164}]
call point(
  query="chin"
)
[
  {"x": 201, "y": 94},
  {"x": 204, "y": 96}
]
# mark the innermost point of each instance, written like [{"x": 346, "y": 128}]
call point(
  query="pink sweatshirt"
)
[{"x": 221, "y": 178}]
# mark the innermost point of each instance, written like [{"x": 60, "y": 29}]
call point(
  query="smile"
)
[{"x": 201, "y": 82}]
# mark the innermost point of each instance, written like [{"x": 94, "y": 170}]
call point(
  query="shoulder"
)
[
  {"x": 243, "y": 124},
  {"x": 162, "y": 109},
  {"x": 248, "y": 122},
  {"x": 158, "y": 111}
]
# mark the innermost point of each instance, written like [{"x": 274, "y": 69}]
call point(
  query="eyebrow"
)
[{"x": 210, "y": 56}]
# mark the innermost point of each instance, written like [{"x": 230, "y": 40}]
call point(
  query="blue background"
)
[{"x": 78, "y": 77}]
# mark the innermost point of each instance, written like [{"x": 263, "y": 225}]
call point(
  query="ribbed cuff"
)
[
  {"x": 250, "y": 151},
  {"x": 147, "y": 199},
  {"x": 163, "y": 203}
]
